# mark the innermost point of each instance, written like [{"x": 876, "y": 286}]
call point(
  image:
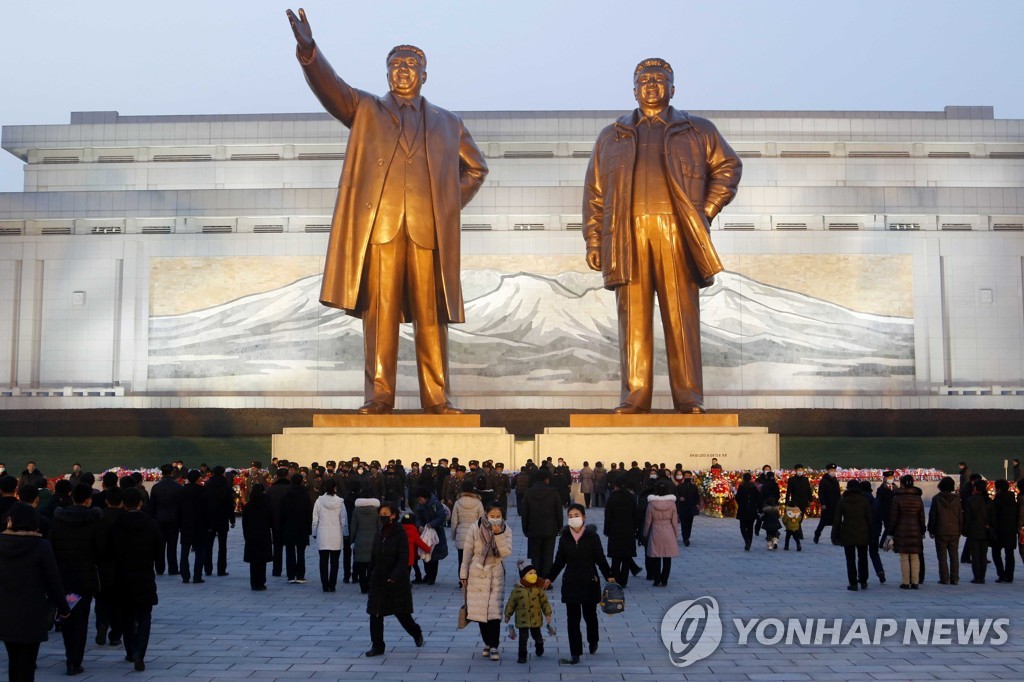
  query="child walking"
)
[
  {"x": 770, "y": 522},
  {"x": 794, "y": 517},
  {"x": 529, "y": 602}
]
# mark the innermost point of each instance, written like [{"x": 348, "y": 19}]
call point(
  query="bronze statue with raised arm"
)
[
  {"x": 656, "y": 179},
  {"x": 394, "y": 248}
]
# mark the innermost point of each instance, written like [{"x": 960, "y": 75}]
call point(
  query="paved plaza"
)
[{"x": 222, "y": 630}]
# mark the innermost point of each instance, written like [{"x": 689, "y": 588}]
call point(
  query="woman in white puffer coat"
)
[
  {"x": 467, "y": 510},
  {"x": 330, "y": 526},
  {"x": 482, "y": 575}
]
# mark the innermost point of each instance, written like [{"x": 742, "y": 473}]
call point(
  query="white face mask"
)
[
  {"x": 494, "y": 522},
  {"x": 576, "y": 522}
]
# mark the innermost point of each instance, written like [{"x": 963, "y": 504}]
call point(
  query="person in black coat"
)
[
  {"x": 390, "y": 593},
  {"x": 164, "y": 504},
  {"x": 852, "y": 528},
  {"x": 542, "y": 519},
  {"x": 220, "y": 499},
  {"x": 876, "y": 530},
  {"x": 194, "y": 519},
  {"x": 687, "y": 501},
  {"x": 30, "y": 586},
  {"x": 769, "y": 488},
  {"x": 1004, "y": 525},
  {"x": 828, "y": 497},
  {"x": 581, "y": 555},
  {"x": 107, "y": 621},
  {"x": 621, "y": 525},
  {"x": 256, "y": 532},
  {"x": 33, "y": 476},
  {"x": 884, "y": 494},
  {"x": 748, "y": 507},
  {"x": 134, "y": 543},
  {"x": 78, "y": 539},
  {"x": 798, "y": 490},
  {"x": 978, "y": 529},
  {"x": 275, "y": 494},
  {"x": 296, "y": 527}
]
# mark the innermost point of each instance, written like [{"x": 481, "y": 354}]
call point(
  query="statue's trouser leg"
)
[{"x": 659, "y": 265}]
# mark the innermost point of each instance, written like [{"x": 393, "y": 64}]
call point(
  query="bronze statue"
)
[
  {"x": 656, "y": 179},
  {"x": 394, "y": 248}
]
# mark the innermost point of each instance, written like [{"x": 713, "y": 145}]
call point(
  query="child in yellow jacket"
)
[{"x": 529, "y": 602}]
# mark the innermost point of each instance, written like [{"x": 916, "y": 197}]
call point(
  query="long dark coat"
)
[
  {"x": 853, "y": 522},
  {"x": 906, "y": 520},
  {"x": 581, "y": 560},
  {"x": 457, "y": 170},
  {"x": 621, "y": 523},
  {"x": 79, "y": 540},
  {"x": 256, "y": 530},
  {"x": 30, "y": 586},
  {"x": 828, "y": 496},
  {"x": 798, "y": 492},
  {"x": 296, "y": 516},
  {"x": 1004, "y": 519},
  {"x": 134, "y": 544},
  {"x": 390, "y": 561},
  {"x": 748, "y": 502},
  {"x": 978, "y": 517},
  {"x": 194, "y": 513}
]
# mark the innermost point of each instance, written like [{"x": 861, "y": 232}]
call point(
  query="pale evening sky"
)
[{"x": 237, "y": 56}]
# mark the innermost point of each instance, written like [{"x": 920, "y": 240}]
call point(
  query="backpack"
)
[{"x": 613, "y": 599}]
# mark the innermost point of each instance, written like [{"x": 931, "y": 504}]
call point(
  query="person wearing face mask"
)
[
  {"x": 581, "y": 555},
  {"x": 482, "y": 575},
  {"x": 467, "y": 510},
  {"x": 687, "y": 501},
  {"x": 798, "y": 490},
  {"x": 389, "y": 591}
]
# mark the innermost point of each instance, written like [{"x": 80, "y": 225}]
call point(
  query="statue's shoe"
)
[
  {"x": 375, "y": 407},
  {"x": 629, "y": 408},
  {"x": 443, "y": 408}
]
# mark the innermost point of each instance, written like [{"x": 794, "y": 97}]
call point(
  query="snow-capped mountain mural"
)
[{"x": 529, "y": 333}]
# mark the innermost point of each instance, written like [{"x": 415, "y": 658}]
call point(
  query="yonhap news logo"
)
[{"x": 692, "y": 630}]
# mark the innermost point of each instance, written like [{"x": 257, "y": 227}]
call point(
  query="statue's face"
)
[
  {"x": 653, "y": 87},
  {"x": 406, "y": 74}
]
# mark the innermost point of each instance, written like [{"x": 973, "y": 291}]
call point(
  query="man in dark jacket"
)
[
  {"x": 1004, "y": 524},
  {"x": 106, "y": 604},
  {"x": 621, "y": 527},
  {"x": 430, "y": 512},
  {"x": 135, "y": 545},
  {"x": 852, "y": 528},
  {"x": 164, "y": 503},
  {"x": 687, "y": 501},
  {"x": 389, "y": 591},
  {"x": 876, "y": 530},
  {"x": 977, "y": 529},
  {"x": 296, "y": 517},
  {"x": 78, "y": 541},
  {"x": 195, "y": 527},
  {"x": 220, "y": 501},
  {"x": 885, "y": 492},
  {"x": 798, "y": 489},
  {"x": 828, "y": 498},
  {"x": 945, "y": 524},
  {"x": 33, "y": 476},
  {"x": 276, "y": 495},
  {"x": 542, "y": 521}
]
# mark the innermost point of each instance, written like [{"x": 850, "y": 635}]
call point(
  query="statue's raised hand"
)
[{"x": 301, "y": 29}]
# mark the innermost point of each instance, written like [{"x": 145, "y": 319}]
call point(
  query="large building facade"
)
[{"x": 874, "y": 260}]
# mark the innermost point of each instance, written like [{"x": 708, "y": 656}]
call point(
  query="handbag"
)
[
  {"x": 463, "y": 612},
  {"x": 613, "y": 599}
]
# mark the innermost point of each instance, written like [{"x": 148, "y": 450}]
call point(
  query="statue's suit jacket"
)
[
  {"x": 457, "y": 170},
  {"x": 703, "y": 174}
]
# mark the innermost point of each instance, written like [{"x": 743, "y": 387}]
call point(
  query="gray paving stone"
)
[{"x": 222, "y": 630}]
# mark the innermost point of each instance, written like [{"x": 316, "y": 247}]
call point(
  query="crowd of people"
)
[{"x": 386, "y": 528}]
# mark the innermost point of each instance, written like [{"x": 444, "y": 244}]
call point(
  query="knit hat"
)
[{"x": 524, "y": 567}]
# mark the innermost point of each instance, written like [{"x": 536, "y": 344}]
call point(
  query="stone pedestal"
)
[
  {"x": 691, "y": 440},
  {"x": 410, "y": 444}
]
